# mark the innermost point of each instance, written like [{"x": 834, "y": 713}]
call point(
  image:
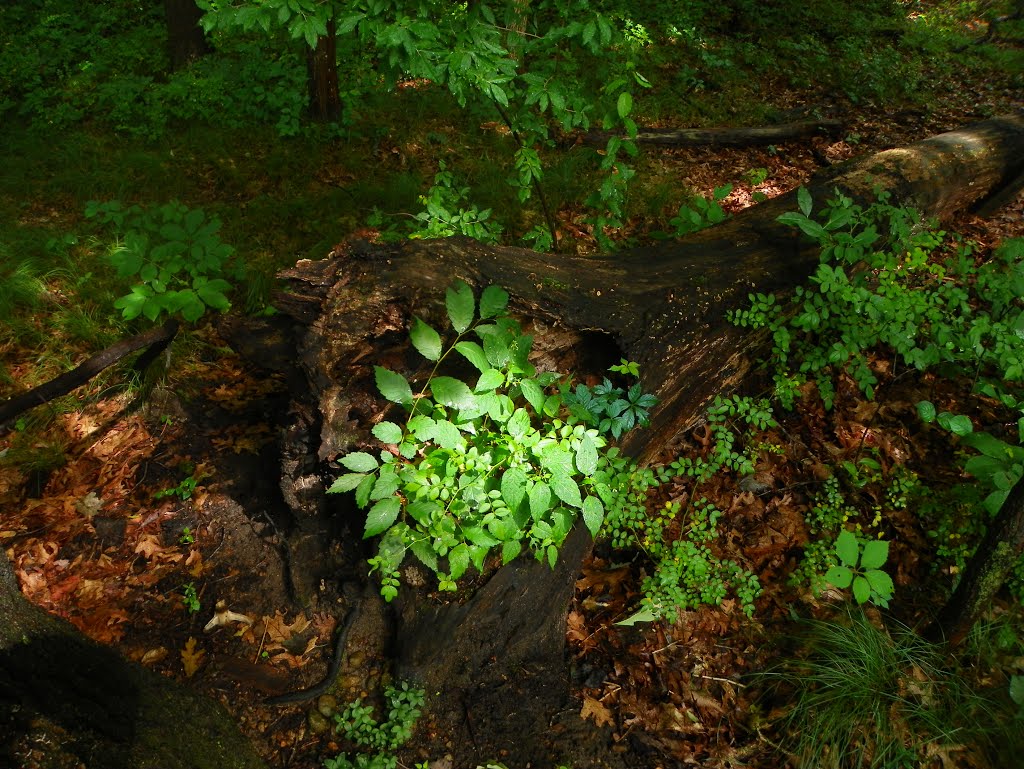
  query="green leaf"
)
[
  {"x": 489, "y": 380},
  {"x": 861, "y": 589},
  {"x": 540, "y": 500},
  {"x": 839, "y": 576},
  {"x": 346, "y": 482},
  {"x": 513, "y": 487},
  {"x": 586, "y": 456},
  {"x": 1017, "y": 690},
  {"x": 423, "y": 427},
  {"x": 480, "y": 537},
  {"x": 496, "y": 349},
  {"x": 809, "y": 227},
  {"x": 644, "y": 615},
  {"x": 926, "y": 410},
  {"x": 803, "y": 200},
  {"x": 565, "y": 489},
  {"x": 387, "y": 432},
  {"x": 359, "y": 461},
  {"x": 625, "y": 104},
  {"x": 447, "y": 435},
  {"x": 880, "y": 582},
  {"x": 461, "y": 305},
  {"x": 847, "y": 548},
  {"x": 474, "y": 353},
  {"x": 381, "y": 516},
  {"x": 510, "y": 550},
  {"x": 876, "y": 552},
  {"x": 593, "y": 515},
  {"x": 458, "y": 560},
  {"x": 533, "y": 393},
  {"x": 425, "y": 339},
  {"x": 518, "y": 423},
  {"x": 452, "y": 392},
  {"x": 493, "y": 301},
  {"x": 363, "y": 490},
  {"x": 422, "y": 550},
  {"x": 393, "y": 386}
]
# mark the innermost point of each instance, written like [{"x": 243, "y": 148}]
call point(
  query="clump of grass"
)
[{"x": 861, "y": 696}]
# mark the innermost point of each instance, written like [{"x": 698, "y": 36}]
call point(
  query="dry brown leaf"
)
[
  {"x": 191, "y": 657},
  {"x": 595, "y": 710}
]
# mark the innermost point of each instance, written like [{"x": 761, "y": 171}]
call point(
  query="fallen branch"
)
[
  {"x": 723, "y": 137},
  {"x": 156, "y": 339}
]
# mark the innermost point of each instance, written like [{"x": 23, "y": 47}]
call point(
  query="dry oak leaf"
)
[
  {"x": 596, "y": 710},
  {"x": 191, "y": 657}
]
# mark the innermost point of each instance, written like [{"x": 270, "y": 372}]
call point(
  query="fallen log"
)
[
  {"x": 501, "y": 656},
  {"x": 722, "y": 137}
]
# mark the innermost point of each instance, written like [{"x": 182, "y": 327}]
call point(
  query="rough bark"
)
[
  {"x": 986, "y": 572},
  {"x": 724, "y": 137},
  {"x": 322, "y": 70},
  {"x": 95, "y": 710},
  {"x": 662, "y": 306},
  {"x": 186, "y": 40}
]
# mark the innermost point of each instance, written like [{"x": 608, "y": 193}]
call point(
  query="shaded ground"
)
[{"x": 196, "y": 582}]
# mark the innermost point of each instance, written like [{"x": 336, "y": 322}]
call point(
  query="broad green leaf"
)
[
  {"x": 625, "y": 104},
  {"x": 346, "y": 482},
  {"x": 477, "y": 555},
  {"x": 425, "y": 339},
  {"x": 926, "y": 410},
  {"x": 533, "y": 393},
  {"x": 847, "y": 548},
  {"x": 493, "y": 301},
  {"x": 803, "y": 200},
  {"x": 593, "y": 515},
  {"x": 422, "y": 550},
  {"x": 809, "y": 227},
  {"x": 474, "y": 353},
  {"x": 458, "y": 560},
  {"x": 480, "y": 537},
  {"x": 513, "y": 487},
  {"x": 452, "y": 392},
  {"x": 393, "y": 386},
  {"x": 518, "y": 423},
  {"x": 586, "y": 456},
  {"x": 363, "y": 490},
  {"x": 644, "y": 615},
  {"x": 876, "y": 552},
  {"x": 880, "y": 582},
  {"x": 386, "y": 485},
  {"x": 540, "y": 500},
  {"x": 447, "y": 435},
  {"x": 510, "y": 550},
  {"x": 496, "y": 350},
  {"x": 839, "y": 576},
  {"x": 421, "y": 510},
  {"x": 388, "y": 432},
  {"x": 565, "y": 489},
  {"x": 552, "y": 556},
  {"x": 489, "y": 380},
  {"x": 556, "y": 460},
  {"x": 381, "y": 516},
  {"x": 1017, "y": 690},
  {"x": 461, "y": 305},
  {"x": 359, "y": 461},
  {"x": 989, "y": 445},
  {"x": 861, "y": 589},
  {"x": 423, "y": 427}
]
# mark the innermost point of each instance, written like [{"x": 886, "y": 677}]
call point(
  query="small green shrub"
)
[
  {"x": 359, "y": 726},
  {"x": 859, "y": 567},
  {"x": 174, "y": 254}
]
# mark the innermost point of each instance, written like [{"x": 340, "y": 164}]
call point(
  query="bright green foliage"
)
[
  {"x": 174, "y": 254},
  {"x": 359, "y": 726},
  {"x": 498, "y": 465},
  {"x": 860, "y": 563},
  {"x": 190, "y": 598},
  {"x": 882, "y": 281}
]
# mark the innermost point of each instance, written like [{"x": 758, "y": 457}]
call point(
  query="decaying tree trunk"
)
[
  {"x": 78, "y": 703},
  {"x": 501, "y": 655},
  {"x": 322, "y": 76},
  {"x": 724, "y": 137}
]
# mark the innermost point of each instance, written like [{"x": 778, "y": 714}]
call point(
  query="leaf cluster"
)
[
  {"x": 174, "y": 257},
  {"x": 359, "y": 726},
  {"x": 859, "y": 567}
]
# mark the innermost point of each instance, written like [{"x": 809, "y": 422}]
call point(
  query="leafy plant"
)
[
  {"x": 358, "y": 725},
  {"x": 859, "y": 567},
  {"x": 184, "y": 490},
  {"x": 498, "y": 465},
  {"x": 700, "y": 212},
  {"x": 174, "y": 254},
  {"x": 190, "y": 598},
  {"x": 187, "y": 537}
]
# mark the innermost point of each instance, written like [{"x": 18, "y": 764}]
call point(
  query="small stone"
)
[
  {"x": 327, "y": 705},
  {"x": 317, "y": 723}
]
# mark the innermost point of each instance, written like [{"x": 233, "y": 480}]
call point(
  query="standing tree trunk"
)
[
  {"x": 500, "y": 656},
  {"x": 186, "y": 40},
  {"x": 322, "y": 69}
]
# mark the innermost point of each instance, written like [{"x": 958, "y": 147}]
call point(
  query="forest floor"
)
[{"x": 161, "y": 533}]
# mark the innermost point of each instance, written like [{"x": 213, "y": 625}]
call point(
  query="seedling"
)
[{"x": 860, "y": 567}]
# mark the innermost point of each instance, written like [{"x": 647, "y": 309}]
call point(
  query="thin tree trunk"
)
[
  {"x": 322, "y": 69},
  {"x": 186, "y": 40}
]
